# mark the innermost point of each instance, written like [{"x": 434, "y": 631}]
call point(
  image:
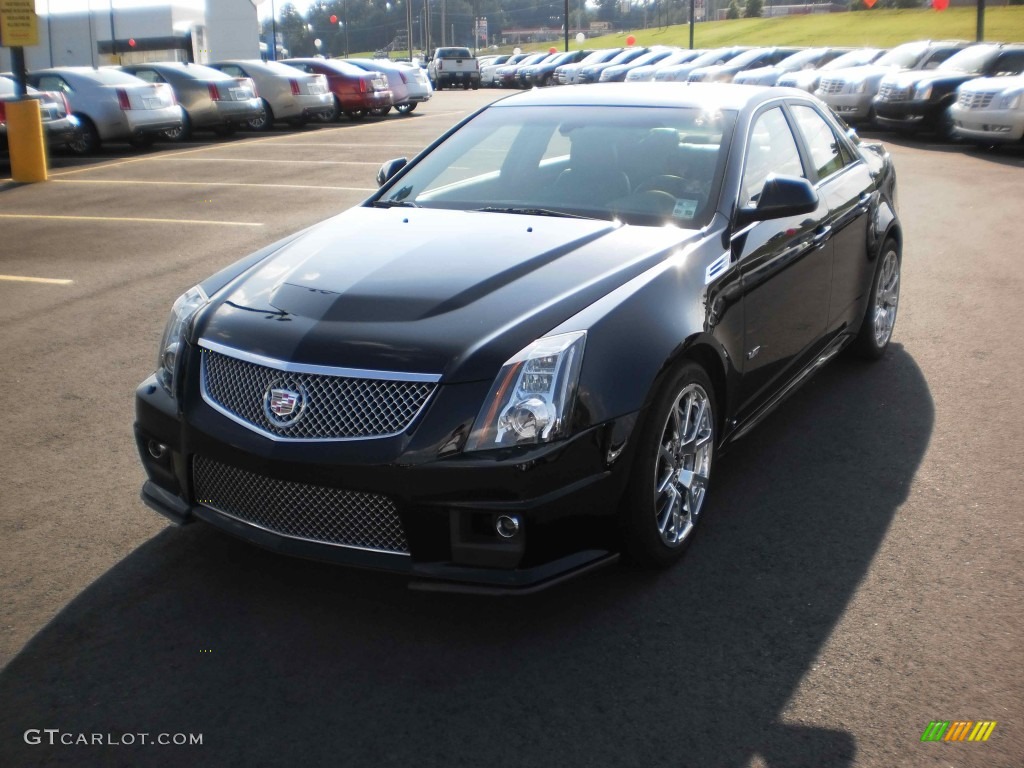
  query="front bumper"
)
[
  {"x": 564, "y": 496},
  {"x": 988, "y": 125},
  {"x": 907, "y": 115},
  {"x": 850, "y": 106}
]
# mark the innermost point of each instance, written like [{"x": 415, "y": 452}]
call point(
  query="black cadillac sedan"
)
[{"x": 591, "y": 293}]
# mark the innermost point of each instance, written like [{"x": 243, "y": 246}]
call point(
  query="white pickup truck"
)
[{"x": 452, "y": 67}]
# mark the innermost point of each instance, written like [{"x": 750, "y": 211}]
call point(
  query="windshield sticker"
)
[{"x": 685, "y": 208}]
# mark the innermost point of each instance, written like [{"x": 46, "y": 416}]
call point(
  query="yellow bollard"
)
[{"x": 25, "y": 141}]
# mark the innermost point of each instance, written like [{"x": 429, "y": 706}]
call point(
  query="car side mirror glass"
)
[
  {"x": 389, "y": 169},
  {"x": 781, "y": 196}
]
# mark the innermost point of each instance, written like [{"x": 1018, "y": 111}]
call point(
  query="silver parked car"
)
[
  {"x": 409, "y": 85},
  {"x": 60, "y": 128},
  {"x": 287, "y": 94},
  {"x": 209, "y": 98},
  {"x": 111, "y": 105},
  {"x": 990, "y": 110}
]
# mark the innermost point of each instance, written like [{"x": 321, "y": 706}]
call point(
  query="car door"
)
[
  {"x": 785, "y": 267},
  {"x": 844, "y": 183}
]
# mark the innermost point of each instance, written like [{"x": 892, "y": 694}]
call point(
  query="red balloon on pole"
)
[
  {"x": 334, "y": 19},
  {"x": 870, "y": 3},
  {"x": 631, "y": 40},
  {"x": 940, "y": 5},
  {"x": 552, "y": 49}
]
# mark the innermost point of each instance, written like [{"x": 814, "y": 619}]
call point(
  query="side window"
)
[
  {"x": 771, "y": 149},
  {"x": 938, "y": 56},
  {"x": 825, "y": 148},
  {"x": 234, "y": 71},
  {"x": 54, "y": 83},
  {"x": 1008, "y": 63},
  {"x": 149, "y": 76}
]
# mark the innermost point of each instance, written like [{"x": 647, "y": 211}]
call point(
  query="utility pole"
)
[
  {"x": 566, "y": 26},
  {"x": 981, "y": 21}
]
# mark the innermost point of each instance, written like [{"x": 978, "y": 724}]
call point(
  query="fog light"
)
[
  {"x": 156, "y": 450},
  {"x": 507, "y": 526}
]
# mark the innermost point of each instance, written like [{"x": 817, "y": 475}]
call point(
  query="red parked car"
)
[{"x": 356, "y": 92}]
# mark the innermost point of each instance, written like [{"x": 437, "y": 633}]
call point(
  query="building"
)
[{"x": 227, "y": 29}]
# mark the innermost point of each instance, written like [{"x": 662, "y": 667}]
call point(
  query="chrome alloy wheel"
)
[
  {"x": 887, "y": 297},
  {"x": 683, "y": 465}
]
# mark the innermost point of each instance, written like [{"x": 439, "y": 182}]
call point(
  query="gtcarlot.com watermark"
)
[{"x": 57, "y": 737}]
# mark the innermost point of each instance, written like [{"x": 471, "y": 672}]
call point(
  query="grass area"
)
[{"x": 878, "y": 28}]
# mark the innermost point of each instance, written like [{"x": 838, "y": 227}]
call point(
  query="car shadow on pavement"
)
[{"x": 286, "y": 662}]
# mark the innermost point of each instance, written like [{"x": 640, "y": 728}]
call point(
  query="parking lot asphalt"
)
[{"x": 858, "y": 574}]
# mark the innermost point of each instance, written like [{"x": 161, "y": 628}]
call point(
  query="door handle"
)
[
  {"x": 862, "y": 202},
  {"x": 821, "y": 235}
]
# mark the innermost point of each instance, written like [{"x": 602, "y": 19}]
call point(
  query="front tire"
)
[
  {"x": 883, "y": 301},
  {"x": 183, "y": 133},
  {"x": 672, "y": 469},
  {"x": 405, "y": 109}
]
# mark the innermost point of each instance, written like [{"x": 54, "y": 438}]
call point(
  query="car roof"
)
[{"x": 729, "y": 96}]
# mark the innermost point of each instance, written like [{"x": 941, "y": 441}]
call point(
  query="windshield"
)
[
  {"x": 904, "y": 56},
  {"x": 797, "y": 60},
  {"x": 853, "y": 59},
  {"x": 747, "y": 57},
  {"x": 970, "y": 60},
  {"x": 599, "y": 57},
  {"x": 641, "y": 165}
]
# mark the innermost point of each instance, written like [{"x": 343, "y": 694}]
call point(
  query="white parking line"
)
[
  {"x": 211, "y": 184},
  {"x": 132, "y": 219},
  {"x": 24, "y": 279}
]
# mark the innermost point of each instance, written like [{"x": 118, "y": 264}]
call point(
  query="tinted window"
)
[
  {"x": 233, "y": 70},
  {"x": 1009, "y": 63},
  {"x": 54, "y": 83},
  {"x": 825, "y": 147},
  {"x": 149, "y": 76},
  {"x": 772, "y": 149}
]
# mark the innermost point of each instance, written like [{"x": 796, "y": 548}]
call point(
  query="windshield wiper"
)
[
  {"x": 535, "y": 212},
  {"x": 393, "y": 204}
]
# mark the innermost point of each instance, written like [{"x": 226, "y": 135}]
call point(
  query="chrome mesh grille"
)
[
  {"x": 975, "y": 100},
  {"x": 890, "y": 92},
  {"x": 831, "y": 86},
  {"x": 300, "y": 511},
  {"x": 336, "y": 407}
]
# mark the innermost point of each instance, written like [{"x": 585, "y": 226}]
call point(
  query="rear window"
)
[
  {"x": 107, "y": 76},
  {"x": 454, "y": 53}
]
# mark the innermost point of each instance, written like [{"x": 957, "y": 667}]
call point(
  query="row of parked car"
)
[
  {"x": 957, "y": 89},
  {"x": 83, "y": 107}
]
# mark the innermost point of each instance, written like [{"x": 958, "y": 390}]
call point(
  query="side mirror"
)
[
  {"x": 389, "y": 169},
  {"x": 781, "y": 196}
]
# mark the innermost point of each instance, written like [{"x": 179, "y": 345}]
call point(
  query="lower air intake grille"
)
[{"x": 300, "y": 511}]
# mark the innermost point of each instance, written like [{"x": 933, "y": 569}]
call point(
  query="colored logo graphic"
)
[{"x": 958, "y": 730}]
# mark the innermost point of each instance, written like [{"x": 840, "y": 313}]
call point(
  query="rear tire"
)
[
  {"x": 672, "y": 469},
  {"x": 88, "y": 141},
  {"x": 405, "y": 109},
  {"x": 883, "y": 301},
  {"x": 264, "y": 123}
]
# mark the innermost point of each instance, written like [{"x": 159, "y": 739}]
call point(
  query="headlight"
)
[
  {"x": 182, "y": 312},
  {"x": 532, "y": 398},
  {"x": 1009, "y": 101},
  {"x": 923, "y": 93}
]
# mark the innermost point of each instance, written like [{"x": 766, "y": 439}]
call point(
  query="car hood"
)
[
  {"x": 857, "y": 74},
  {"x": 916, "y": 78},
  {"x": 455, "y": 293}
]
